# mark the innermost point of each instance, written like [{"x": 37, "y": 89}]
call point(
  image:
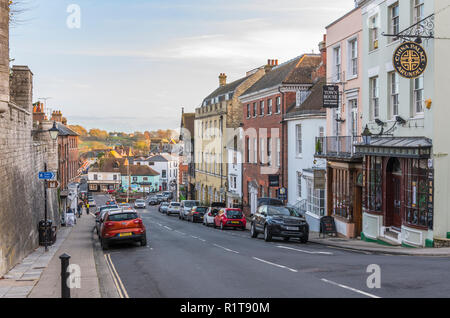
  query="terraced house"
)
[{"x": 216, "y": 122}]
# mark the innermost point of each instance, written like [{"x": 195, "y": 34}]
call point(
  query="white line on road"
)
[
  {"x": 226, "y": 249},
  {"x": 202, "y": 240},
  {"x": 168, "y": 228},
  {"x": 303, "y": 251},
  {"x": 180, "y": 232},
  {"x": 349, "y": 288},
  {"x": 277, "y": 265}
]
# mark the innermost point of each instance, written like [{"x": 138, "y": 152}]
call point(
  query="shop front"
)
[{"x": 398, "y": 185}]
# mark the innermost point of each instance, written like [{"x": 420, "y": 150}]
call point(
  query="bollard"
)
[{"x": 65, "y": 290}]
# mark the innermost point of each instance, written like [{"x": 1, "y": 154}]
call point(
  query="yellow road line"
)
[
  {"x": 113, "y": 276},
  {"x": 118, "y": 277}
]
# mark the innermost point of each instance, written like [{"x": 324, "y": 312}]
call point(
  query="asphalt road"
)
[{"x": 186, "y": 260}]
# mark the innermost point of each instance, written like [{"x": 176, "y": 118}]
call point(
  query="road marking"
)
[
  {"x": 226, "y": 249},
  {"x": 349, "y": 288},
  {"x": 303, "y": 251},
  {"x": 194, "y": 236},
  {"x": 117, "y": 281},
  {"x": 277, "y": 265},
  {"x": 202, "y": 240},
  {"x": 168, "y": 228}
]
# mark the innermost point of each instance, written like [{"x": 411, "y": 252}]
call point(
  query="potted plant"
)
[{"x": 318, "y": 147}]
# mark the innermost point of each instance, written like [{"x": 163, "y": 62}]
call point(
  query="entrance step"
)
[
  {"x": 391, "y": 233},
  {"x": 388, "y": 241}
]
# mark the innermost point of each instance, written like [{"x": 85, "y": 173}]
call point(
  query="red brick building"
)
[{"x": 265, "y": 133}]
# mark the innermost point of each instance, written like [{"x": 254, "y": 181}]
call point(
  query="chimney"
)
[
  {"x": 21, "y": 87},
  {"x": 222, "y": 79},
  {"x": 38, "y": 112},
  {"x": 57, "y": 116},
  {"x": 4, "y": 55},
  {"x": 64, "y": 121},
  {"x": 321, "y": 71},
  {"x": 269, "y": 65}
]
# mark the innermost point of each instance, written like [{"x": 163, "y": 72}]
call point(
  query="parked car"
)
[
  {"x": 163, "y": 207},
  {"x": 186, "y": 206},
  {"x": 101, "y": 215},
  {"x": 269, "y": 201},
  {"x": 168, "y": 195},
  {"x": 230, "y": 218},
  {"x": 111, "y": 202},
  {"x": 208, "y": 218},
  {"x": 160, "y": 198},
  {"x": 279, "y": 221},
  {"x": 173, "y": 208},
  {"x": 124, "y": 205},
  {"x": 153, "y": 201},
  {"x": 197, "y": 213},
  {"x": 122, "y": 226},
  {"x": 106, "y": 207},
  {"x": 139, "y": 204},
  {"x": 92, "y": 203}
]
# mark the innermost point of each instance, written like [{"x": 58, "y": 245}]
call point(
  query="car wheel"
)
[
  {"x": 144, "y": 241},
  {"x": 286, "y": 239},
  {"x": 253, "y": 232},
  {"x": 304, "y": 240},
  {"x": 267, "y": 235}
]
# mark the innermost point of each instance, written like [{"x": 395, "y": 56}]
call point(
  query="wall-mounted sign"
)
[
  {"x": 282, "y": 194},
  {"x": 331, "y": 96},
  {"x": 410, "y": 60},
  {"x": 274, "y": 180}
]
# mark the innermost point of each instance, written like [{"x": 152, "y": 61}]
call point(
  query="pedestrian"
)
[
  {"x": 87, "y": 209},
  {"x": 80, "y": 206}
]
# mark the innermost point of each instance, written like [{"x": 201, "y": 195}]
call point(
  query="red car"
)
[
  {"x": 230, "y": 218},
  {"x": 122, "y": 226}
]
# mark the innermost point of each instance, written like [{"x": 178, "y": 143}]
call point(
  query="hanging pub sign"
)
[
  {"x": 274, "y": 181},
  {"x": 410, "y": 60},
  {"x": 331, "y": 96}
]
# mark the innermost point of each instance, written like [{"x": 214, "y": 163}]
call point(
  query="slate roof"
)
[
  {"x": 157, "y": 158},
  {"x": 296, "y": 71},
  {"x": 65, "y": 131},
  {"x": 137, "y": 170},
  {"x": 313, "y": 103},
  {"x": 399, "y": 142},
  {"x": 108, "y": 165},
  {"x": 229, "y": 88}
]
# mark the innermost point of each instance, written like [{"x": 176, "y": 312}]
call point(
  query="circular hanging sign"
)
[{"x": 410, "y": 60}]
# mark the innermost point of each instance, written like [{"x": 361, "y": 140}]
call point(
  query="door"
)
[
  {"x": 393, "y": 194},
  {"x": 397, "y": 203}
]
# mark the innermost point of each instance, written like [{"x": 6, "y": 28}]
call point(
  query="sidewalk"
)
[
  {"x": 39, "y": 274},
  {"x": 368, "y": 247}
]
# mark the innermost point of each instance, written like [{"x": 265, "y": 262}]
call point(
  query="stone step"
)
[{"x": 389, "y": 241}]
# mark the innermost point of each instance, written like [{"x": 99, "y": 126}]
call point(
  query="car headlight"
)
[{"x": 278, "y": 222}]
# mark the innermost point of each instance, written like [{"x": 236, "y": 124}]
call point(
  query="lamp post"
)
[
  {"x": 53, "y": 135},
  {"x": 367, "y": 136}
]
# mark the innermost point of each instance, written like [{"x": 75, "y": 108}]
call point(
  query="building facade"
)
[
  {"x": 104, "y": 176},
  {"x": 139, "y": 178},
  {"x": 216, "y": 122},
  {"x": 264, "y": 131},
  {"x": 187, "y": 156}
]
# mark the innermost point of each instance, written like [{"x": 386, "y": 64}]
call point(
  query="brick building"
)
[
  {"x": 186, "y": 173},
  {"x": 264, "y": 132}
]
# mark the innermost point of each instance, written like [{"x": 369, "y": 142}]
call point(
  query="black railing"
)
[{"x": 337, "y": 146}]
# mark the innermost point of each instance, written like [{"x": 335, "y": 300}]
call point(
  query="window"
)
[
  {"x": 145, "y": 178},
  {"x": 278, "y": 152},
  {"x": 115, "y": 177},
  {"x": 321, "y": 132},
  {"x": 418, "y": 13},
  {"x": 374, "y": 179},
  {"x": 418, "y": 95},
  {"x": 337, "y": 64},
  {"x": 255, "y": 150},
  {"x": 301, "y": 96},
  {"x": 247, "y": 157},
  {"x": 278, "y": 106},
  {"x": 417, "y": 193},
  {"x": 394, "y": 21},
  {"x": 269, "y": 106},
  {"x": 164, "y": 174},
  {"x": 315, "y": 199},
  {"x": 261, "y": 108},
  {"x": 95, "y": 177},
  {"x": 135, "y": 179},
  {"x": 373, "y": 33},
  {"x": 394, "y": 80},
  {"x": 374, "y": 97},
  {"x": 248, "y": 110},
  {"x": 299, "y": 184},
  {"x": 353, "y": 104},
  {"x": 254, "y": 109},
  {"x": 298, "y": 134},
  {"x": 262, "y": 154},
  {"x": 353, "y": 65},
  {"x": 269, "y": 151}
]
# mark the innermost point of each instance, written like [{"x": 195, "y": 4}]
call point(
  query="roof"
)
[
  {"x": 108, "y": 165},
  {"x": 312, "y": 104},
  {"x": 399, "y": 142},
  {"x": 139, "y": 170},
  {"x": 157, "y": 158},
  {"x": 295, "y": 71},
  {"x": 229, "y": 88},
  {"x": 65, "y": 131}
]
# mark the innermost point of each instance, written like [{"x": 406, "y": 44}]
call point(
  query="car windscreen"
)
[
  {"x": 190, "y": 204},
  {"x": 281, "y": 210},
  {"x": 175, "y": 204},
  {"x": 109, "y": 207},
  {"x": 122, "y": 217},
  {"x": 164, "y": 204},
  {"x": 234, "y": 214},
  {"x": 140, "y": 201},
  {"x": 201, "y": 209}
]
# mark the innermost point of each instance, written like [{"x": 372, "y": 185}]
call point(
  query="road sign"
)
[
  {"x": 48, "y": 175},
  {"x": 52, "y": 184}
]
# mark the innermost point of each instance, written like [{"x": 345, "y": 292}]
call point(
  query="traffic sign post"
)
[
  {"x": 47, "y": 175},
  {"x": 52, "y": 184}
]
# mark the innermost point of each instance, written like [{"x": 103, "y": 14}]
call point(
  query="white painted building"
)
[
  {"x": 167, "y": 166},
  {"x": 234, "y": 190}
]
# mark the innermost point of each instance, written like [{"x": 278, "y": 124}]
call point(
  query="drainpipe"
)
[{"x": 282, "y": 137}]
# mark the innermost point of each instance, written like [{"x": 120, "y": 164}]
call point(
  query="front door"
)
[
  {"x": 397, "y": 203},
  {"x": 393, "y": 194}
]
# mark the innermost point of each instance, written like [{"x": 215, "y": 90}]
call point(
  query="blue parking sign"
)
[{"x": 48, "y": 175}]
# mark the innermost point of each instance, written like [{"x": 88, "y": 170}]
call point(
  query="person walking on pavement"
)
[
  {"x": 87, "y": 208},
  {"x": 80, "y": 206}
]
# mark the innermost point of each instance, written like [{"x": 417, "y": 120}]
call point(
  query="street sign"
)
[
  {"x": 331, "y": 96},
  {"x": 52, "y": 184},
  {"x": 274, "y": 181},
  {"x": 47, "y": 175},
  {"x": 282, "y": 194}
]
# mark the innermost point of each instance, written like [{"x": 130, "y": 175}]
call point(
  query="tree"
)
[
  {"x": 98, "y": 133},
  {"x": 79, "y": 130},
  {"x": 141, "y": 145}
]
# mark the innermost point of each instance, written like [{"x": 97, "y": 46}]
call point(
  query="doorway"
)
[{"x": 393, "y": 194}]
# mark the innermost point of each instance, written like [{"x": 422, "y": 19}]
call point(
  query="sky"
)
[{"x": 133, "y": 64}]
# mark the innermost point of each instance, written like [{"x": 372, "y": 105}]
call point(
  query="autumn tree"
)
[
  {"x": 79, "y": 130},
  {"x": 98, "y": 133}
]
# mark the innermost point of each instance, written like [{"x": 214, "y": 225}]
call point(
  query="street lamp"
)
[
  {"x": 53, "y": 135},
  {"x": 367, "y": 136}
]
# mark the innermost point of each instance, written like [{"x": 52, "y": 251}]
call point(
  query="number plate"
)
[
  {"x": 292, "y": 228},
  {"x": 125, "y": 234},
  {"x": 235, "y": 222}
]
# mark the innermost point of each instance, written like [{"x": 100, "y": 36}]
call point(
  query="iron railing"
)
[{"x": 337, "y": 146}]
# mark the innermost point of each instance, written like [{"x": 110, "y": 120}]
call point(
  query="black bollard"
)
[{"x": 65, "y": 290}]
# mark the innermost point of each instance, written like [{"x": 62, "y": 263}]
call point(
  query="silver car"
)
[
  {"x": 163, "y": 207},
  {"x": 139, "y": 204},
  {"x": 186, "y": 207},
  {"x": 173, "y": 208}
]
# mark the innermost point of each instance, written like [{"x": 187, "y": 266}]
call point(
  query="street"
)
[{"x": 186, "y": 260}]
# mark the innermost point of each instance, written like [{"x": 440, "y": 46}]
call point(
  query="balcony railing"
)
[{"x": 337, "y": 147}]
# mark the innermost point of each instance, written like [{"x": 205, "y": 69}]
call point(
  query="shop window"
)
[
  {"x": 417, "y": 193},
  {"x": 341, "y": 193},
  {"x": 374, "y": 190}
]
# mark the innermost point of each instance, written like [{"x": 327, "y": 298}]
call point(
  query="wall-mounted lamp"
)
[
  {"x": 379, "y": 122},
  {"x": 400, "y": 120}
]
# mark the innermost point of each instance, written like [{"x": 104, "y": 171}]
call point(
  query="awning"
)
[{"x": 406, "y": 147}]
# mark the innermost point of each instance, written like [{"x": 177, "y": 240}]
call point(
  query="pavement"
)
[
  {"x": 39, "y": 274},
  {"x": 369, "y": 247}
]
